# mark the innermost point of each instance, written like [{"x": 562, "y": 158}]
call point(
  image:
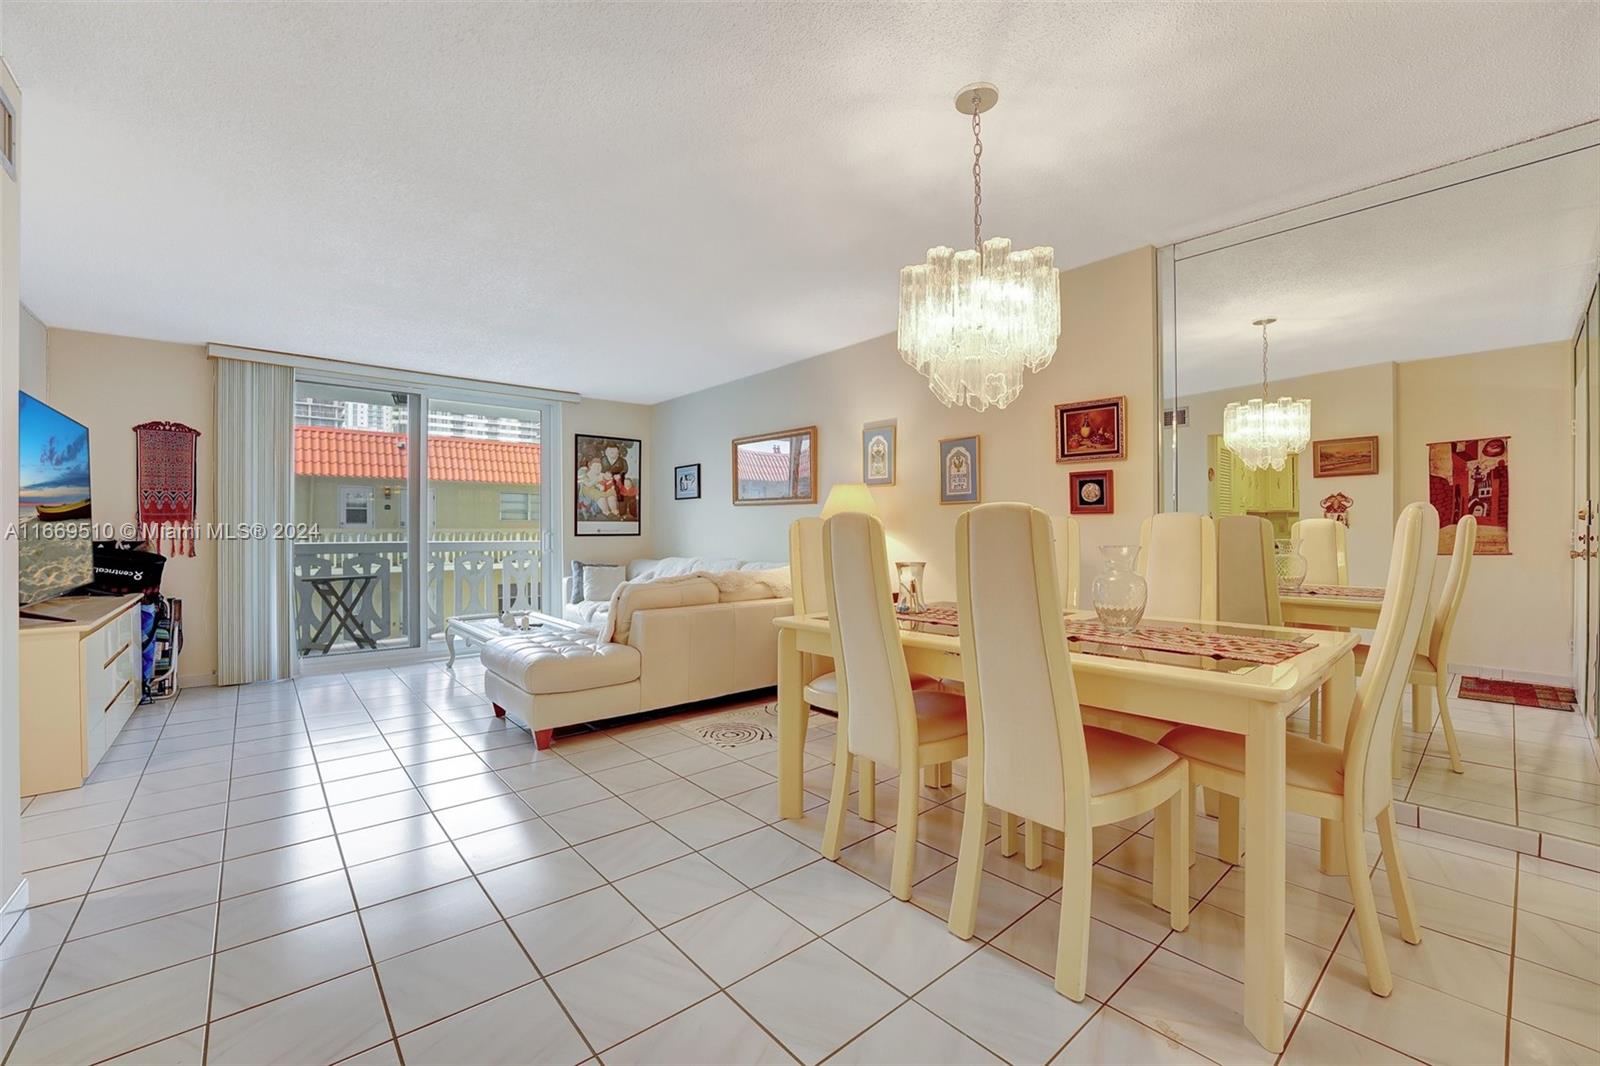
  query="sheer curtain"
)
[{"x": 255, "y": 483}]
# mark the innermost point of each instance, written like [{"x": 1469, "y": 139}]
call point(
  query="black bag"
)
[{"x": 121, "y": 568}]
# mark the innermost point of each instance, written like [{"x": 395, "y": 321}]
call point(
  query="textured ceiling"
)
[
  {"x": 640, "y": 200},
  {"x": 1502, "y": 261}
]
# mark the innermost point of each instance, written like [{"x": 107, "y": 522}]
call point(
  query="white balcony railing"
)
[{"x": 464, "y": 577}]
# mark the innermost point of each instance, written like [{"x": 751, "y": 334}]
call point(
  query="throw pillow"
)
[
  {"x": 599, "y": 582},
  {"x": 575, "y": 586}
]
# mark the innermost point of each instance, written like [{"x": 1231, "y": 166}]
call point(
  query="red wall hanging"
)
[{"x": 165, "y": 457}]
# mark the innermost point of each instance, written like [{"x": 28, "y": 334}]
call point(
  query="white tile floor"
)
[{"x": 372, "y": 868}]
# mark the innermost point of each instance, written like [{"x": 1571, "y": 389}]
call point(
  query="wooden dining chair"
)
[
  {"x": 1178, "y": 558},
  {"x": 1325, "y": 545},
  {"x": 1030, "y": 754},
  {"x": 881, "y": 717},
  {"x": 1247, "y": 572},
  {"x": 1347, "y": 783},
  {"x": 1430, "y": 669}
]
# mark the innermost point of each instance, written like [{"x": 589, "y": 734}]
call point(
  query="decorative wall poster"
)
[
  {"x": 878, "y": 452},
  {"x": 1337, "y": 507},
  {"x": 607, "y": 490},
  {"x": 1472, "y": 477},
  {"x": 164, "y": 469},
  {"x": 1093, "y": 492},
  {"x": 686, "y": 482},
  {"x": 959, "y": 470},
  {"x": 1344, "y": 457},
  {"x": 1092, "y": 430}
]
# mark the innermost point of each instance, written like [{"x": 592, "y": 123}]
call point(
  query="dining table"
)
[{"x": 1222, "y": 680}]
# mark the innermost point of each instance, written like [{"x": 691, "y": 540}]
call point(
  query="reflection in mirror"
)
[
  {"x": 776, "y": 467},
  {"x": 1433, "y": 326}
]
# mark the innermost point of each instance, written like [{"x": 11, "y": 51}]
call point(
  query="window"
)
[
  {"x": 355, "y": 507},
  {"x": 516, "y": 507}
]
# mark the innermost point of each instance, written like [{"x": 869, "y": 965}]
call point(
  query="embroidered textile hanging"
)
[{"x": 165, "y": 468}]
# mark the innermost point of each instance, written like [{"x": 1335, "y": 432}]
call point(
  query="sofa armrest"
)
[
  {"x": 566, "y": 589},
  {"x": 696, "y": 653}
]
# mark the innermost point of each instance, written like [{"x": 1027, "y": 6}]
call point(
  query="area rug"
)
[{"x": 1521, "y": 693}]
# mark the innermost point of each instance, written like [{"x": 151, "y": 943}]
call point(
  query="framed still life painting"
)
[
  {"x": 878, "y": 452},
  {"x": 959, "y": 470},
  {"x": 608, "y": 486},
  {"x": 1092, "y": 431},
  {"x": 1093, "y": 492},
  {"x": 686, "y": 482}
]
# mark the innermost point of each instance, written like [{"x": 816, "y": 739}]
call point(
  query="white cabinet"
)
[{"x": 80, "y": 681}]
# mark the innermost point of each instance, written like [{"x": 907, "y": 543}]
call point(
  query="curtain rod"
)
[{"x": 386, "y": 374}]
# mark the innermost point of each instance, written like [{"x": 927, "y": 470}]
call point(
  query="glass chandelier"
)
[
  {"x": 1264, "y": 432},
  {"x": 972, "y": 321}
]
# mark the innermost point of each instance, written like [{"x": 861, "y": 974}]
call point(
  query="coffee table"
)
[{"x": 481, "y": 628}]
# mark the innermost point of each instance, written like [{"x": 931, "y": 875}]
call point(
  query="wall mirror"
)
[
  {"x": 1435, "y": 325},
  {"x": 777, "y": 467}
]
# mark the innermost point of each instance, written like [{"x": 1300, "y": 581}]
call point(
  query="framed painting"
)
[
  {"x": 608, "y": 486},
  {"x": 1344, "y": 457},
  {"x": 1092, "y": 431},
  {"x": 776, "y": 467},
  {"x": 1093, "y": 492},
  {"x": 878, "y": 453},
  {"x": 960, "y": 470},
  {"x": 1472, "y": 477},
  {"x": 686, "y": 482}
]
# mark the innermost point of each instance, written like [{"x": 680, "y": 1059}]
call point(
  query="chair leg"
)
[
  {"x": 1072, "y": 942},
  {"x": 1210, "y": 798},
  {"x": 1421, "y": 708},
  {"x": 1228, "y": 829},
  {"x": 1394, "y": 750},
  {"x": 1170, "y": 875},
  {"x": 969, "y": 868},
  {"x": 1033, "y": 845},
  {"x": 1449, "y": 726},
  {"x": 1404, "y": 908},
  {"x": 838, "y": 798},
  {"x": 1355, "y": 857},
  {"x": 867, "y": 796},
  {"x": 905, "y": 837},
  {"x": 1008, "y": 834},
  {"x": 947, "y": 774}
]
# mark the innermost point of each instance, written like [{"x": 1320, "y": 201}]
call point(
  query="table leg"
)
[
  {"x": 326, "y": 596},
  {"x": 1338, "y": 695},
  {"x": 792, "y": 714},
  {"x": 1264, "y": 875},
  {"x": 450, "y": 646}
]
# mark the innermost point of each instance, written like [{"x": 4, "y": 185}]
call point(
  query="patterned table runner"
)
[
  {"x": 1349, "y": 592},
  {"x": 1171, "y": 639}
]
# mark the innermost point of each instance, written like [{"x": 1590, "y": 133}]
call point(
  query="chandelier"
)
[
  {"x": 1264, "y": 432},
  {"x": 972, "y": 321}
]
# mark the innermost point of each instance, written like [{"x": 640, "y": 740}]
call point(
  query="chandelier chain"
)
[
  {"x": 1264, "y": 388},
  {"x": 977, "y": 175}
]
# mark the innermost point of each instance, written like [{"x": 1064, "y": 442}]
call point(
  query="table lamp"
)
[{"x": 849, "y": 496}]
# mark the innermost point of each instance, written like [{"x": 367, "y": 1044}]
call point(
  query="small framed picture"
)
[
  {"x": 1344, "y": 457},
  {"x": 960, "y": 471},
  {"x": 1093, "y": 492},
  {"x": 878, "y": 452},
  {"x": 1091, "y": 431},
  {"x": 686, "y": 482}
]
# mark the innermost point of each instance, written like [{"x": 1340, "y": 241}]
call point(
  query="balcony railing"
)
[{"x": 464, "y": 577}]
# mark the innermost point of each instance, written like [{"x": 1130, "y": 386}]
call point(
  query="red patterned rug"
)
[{"x": 1521, "y": 693}]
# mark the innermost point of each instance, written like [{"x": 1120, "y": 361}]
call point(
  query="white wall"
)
[
  {"x": 1108, "y": 348},
  {"x": 33, "y": 375},
  {"x": 1357, "y": 402},
  {"x": 10, "y": 337},
  {"x": 1518, "y": 610}
]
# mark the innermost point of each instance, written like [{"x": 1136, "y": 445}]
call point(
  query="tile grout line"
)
[
  {"x": 1511, "y": 975},
  {"x": 216, "y": 923}
]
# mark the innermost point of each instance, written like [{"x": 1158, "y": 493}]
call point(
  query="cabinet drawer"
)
[{"x": 104, "y": 674}]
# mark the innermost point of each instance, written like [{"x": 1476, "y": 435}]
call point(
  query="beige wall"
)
[
  {"x": 111, "y": 384},
  {"x": 608, "y": 418},
  {"x": 33, "y": 376},
  {"x": 1108, "y": 345},
  {"x": 10, "y": 333},
  {"x": 1518, "y": 610},
  {"x": 1357, "y": 402}
]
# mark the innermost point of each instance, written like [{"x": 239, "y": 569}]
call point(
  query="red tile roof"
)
[
  {"x": 328, "y": 451},
  {"x": 760, "y": 464}
]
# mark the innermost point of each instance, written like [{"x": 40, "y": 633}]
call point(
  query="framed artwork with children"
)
[{"x": 608, "y": 487}]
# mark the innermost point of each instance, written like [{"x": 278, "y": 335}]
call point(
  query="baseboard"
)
[
  {"x": 197, "y": 681},
  {"x": 1499, "y": 673}
]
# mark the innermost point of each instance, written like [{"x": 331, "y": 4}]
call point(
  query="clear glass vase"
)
[
  {"x": 1291, "y": 565},
  {"x": 908, "y": 576},
  {"x": 1120, "y": 593}
]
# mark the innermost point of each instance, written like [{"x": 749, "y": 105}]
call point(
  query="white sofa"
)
[
  {"x": 671, "y": 643},
  {"x": 592, "y": 612}
]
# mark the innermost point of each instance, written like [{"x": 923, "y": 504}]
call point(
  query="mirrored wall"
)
[{"x": 1434, "y": 326}]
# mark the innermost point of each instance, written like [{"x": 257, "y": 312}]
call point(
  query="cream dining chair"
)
[
  {"x": 1029, "y": 753},
  {"x": 1069, "y": 554},
  {"x": 1325, "y": 545},
  {"x": 881, "y": 717},
  {"x": 1247, "y": 572},
  {"x": 1178, "y": 558},
  {"x": 1349, "y": 784},
  {"x": 1430, "y": 669}
]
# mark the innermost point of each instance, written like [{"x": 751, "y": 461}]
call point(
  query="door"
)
[{"x": 1586, "y": 525}]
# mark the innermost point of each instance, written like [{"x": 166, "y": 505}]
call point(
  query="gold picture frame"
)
[{"x": 775, "y": 468}]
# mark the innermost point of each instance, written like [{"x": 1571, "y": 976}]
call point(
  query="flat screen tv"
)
[{"x": 55, "y": 552}]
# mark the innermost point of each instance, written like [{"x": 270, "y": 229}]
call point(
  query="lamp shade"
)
[{"x": 849, "y": 496}]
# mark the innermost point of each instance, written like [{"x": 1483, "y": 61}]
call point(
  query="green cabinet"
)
[{"x": 1234, "y": 489}]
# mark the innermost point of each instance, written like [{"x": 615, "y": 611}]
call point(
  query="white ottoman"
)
[{"x": 558, "y": 675}]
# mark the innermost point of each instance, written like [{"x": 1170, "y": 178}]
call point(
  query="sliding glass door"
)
[{"x": 422, "y": 504}]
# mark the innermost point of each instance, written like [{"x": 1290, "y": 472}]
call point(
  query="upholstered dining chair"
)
[
  {"x": 1247, "y": 572},
  {"x": 1030, "y": 754},
  {"x": 1178, "y": 558},
  {"x": 881, "y": 717},
  {"x": 1069, "y": 554},
  {"x": 1348, "y": 783},
  {"x": 1430, "y": 669},
  {"x": 1325, "y": 545}
]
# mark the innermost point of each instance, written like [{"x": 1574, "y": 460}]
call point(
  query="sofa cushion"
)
[
  {"x": 590, "y": 614},
  {"x": 556, "y": 659},
  {"x": 654, "y": 595},
  {"x": 599, "y": 582}
]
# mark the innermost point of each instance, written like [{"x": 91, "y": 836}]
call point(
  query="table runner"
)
[
  {"x": 1171, "y": 639},
  {"x": 1349, "y": 592}
]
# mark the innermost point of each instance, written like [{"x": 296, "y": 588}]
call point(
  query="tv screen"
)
[{"x": 55, "y": 552}]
